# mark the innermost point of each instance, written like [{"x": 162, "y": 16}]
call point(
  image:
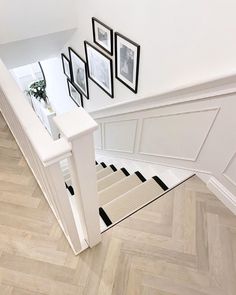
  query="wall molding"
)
[
  {"x": 193, "y": 159},
  {"x": 202, "y": 155},
  {"x": 227, "y": 166},
  {"x": 215, "y": 88},
  {"x": 99, "y": 130},
  {"x": 131, "y": 151},
  {"x": 223, "y": 194}
]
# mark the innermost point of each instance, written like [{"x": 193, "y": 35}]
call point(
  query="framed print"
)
[
  {"x": 75, "y": 94},
  {"x": 66, "y": 66},
  {"x": 127, "y": 61},
  {"x": 102, "y": 35},
  {"x": 99, "y": 68},
  {"x": 79, "y": 72}
]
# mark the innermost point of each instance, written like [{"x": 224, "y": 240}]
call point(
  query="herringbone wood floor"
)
[{"x": 184, "y": 243}]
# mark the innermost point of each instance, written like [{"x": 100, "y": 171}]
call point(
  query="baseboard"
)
[
  {"x": 205, "y": 177},
  {"x": 222, "y": 193}
]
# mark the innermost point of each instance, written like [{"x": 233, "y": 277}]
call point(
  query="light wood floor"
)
[{"x": 184, "y": 243}]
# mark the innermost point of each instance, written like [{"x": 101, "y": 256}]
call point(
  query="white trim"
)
[
  {"x": 186, "y": 93},
  {"x": 102, "y": 134},
  {"x": 193, "y": 159},
  {"x": 222, "y": 193},
  {"x": 120, "y": 121},
  {"x": 139, "y": 129},
  {"x": 227, "y": 166},
  {"x": 99, "y": 130}
]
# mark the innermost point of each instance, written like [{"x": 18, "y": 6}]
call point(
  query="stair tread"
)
[
  {"x": 105, "y": 172},
  {"x": 99, "y": 167},
  {"x": 118, "y": 188},
  {"x": 110, "y": 180},
  {"x": 132, "y": 200}
]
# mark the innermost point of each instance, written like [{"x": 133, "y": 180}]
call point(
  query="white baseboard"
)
[
  {"x": 222, "y": 193},
  {"x": 205, "y": 177}
]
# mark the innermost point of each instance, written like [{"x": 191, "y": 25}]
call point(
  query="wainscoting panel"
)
[
  {"x": 230, "y": 170},
  {"x": 120, "y": 135},
  {"x": 191, "y": 129},
  {"x": 98, "y": 137},
  {"x": 177, "y": 135}
]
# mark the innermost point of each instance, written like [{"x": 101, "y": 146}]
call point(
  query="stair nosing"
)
[
  {"x": 140, "y": 176},
  {"x": 160, "y": 182},
  {"x": 124, "y": 170},
  {"x": 104, "y": 216},
  {"x": 103, "y": 165},
  {"x": 113, "y": 167}
]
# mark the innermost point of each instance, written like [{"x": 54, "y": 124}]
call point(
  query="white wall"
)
[
  {"x": 28, "y": 51},
  {"x": 182, "y": 42},
  {"x": 29, "y": 18},
  {"x": 190, "y": 133},
  {"x": 57, "y": 90}
]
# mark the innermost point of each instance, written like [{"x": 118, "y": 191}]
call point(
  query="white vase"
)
[{"x": 43, "y": 103}]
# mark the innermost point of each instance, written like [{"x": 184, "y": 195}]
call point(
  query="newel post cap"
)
[{"x": 76, "y": 123}]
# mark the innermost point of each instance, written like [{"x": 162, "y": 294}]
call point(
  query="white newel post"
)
[{"x": 78, "y": 127}]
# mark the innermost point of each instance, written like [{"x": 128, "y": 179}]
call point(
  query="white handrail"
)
[
  {"x": 44, "y": 155},
  {"x": 49, "y": 151}
]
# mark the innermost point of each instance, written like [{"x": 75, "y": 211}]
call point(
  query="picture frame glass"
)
[
  {"x": 79, "y": 72},
  {"x": 99, "y": 68},
  {"x": 102, "y": 35},
  {"x": 66, "y": 66},
  {"x": 75, "y": 94},
  {"x": 127, "y": 62}
]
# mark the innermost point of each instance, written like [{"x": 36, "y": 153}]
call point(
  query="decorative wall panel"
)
[
  {"x": 177, "y": 135},
  {"x": 120, "y": 135}
]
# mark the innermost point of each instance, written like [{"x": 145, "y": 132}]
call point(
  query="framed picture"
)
[
  {"x": 100, "y": 68},
  {"x": 79, "y": 72},
  {"x": 75, "y": 94},
  {"x": 102, "y": 35},
  {"x": 127, "y": 61},
  {"x": 66, "y": 66}
]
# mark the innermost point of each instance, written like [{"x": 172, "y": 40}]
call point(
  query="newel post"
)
[{"x": 78, "y": 127}]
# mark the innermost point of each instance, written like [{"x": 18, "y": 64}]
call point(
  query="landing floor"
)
[{"x": 184, "y": 243}]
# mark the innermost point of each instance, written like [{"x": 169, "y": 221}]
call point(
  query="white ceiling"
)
[{"x": 29, "y": 18}]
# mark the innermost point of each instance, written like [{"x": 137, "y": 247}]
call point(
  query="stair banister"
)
[
  {"x": 42, "y": 153},
  {"x": 78, "y": 128}
]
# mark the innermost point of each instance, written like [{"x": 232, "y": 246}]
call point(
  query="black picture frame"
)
[
  {"x": 102, "y": 35},
  {"x": 127, "y": 59},
  {"x": 99, "y": 67},
  {"x": 79, "y": 72},
  {"x": 66, "y": 65},
  {"x": 77, "y": 100}
]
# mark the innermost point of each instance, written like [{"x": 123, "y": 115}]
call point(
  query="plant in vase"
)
[{"x": 38, "y": 90}]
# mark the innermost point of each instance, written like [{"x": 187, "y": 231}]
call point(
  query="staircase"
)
[
  {"x": 120, "y": 192},
  {"x": 85, "y": 199}
]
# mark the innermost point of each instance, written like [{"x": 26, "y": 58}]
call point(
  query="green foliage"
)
[{"x": 38, "y": 90}]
